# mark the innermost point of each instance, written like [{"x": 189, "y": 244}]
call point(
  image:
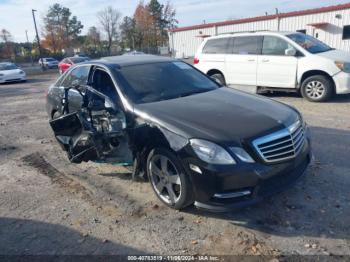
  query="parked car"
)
[
  {"x": 276, "y": 61},
  {"x": 9, "y": 72},
  {"x": 219, "y": 148},
  {"x": 48, "y": 62},
  {"x": 69, "y": 61}
]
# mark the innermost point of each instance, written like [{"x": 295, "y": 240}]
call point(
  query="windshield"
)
[
  {"x": 4, "y": 67},
  {"x": 309, "y": 43},
  {"x": 161, "y": 81}
]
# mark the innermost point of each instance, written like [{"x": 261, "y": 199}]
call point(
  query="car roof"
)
[{"x": 133, "y": 60}]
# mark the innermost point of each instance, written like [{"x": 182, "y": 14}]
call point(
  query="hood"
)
[
  {"x": 224, "y": 115},
  {"x": 336, "y": 55}
]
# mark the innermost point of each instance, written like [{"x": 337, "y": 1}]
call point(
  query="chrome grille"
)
[{"x": 284, "y": 144}]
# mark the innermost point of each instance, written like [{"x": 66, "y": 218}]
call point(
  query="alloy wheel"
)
[
  {"x": 315, "y": 89},
  {"x": 165, "y": 179}
]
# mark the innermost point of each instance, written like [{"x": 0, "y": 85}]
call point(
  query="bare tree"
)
[
  {"x": 5, "y": 35},
  {"x": 8, "y": 49},
  {"x": 109, "y": 20}
]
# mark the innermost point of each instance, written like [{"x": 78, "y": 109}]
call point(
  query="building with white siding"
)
[{"x": 329, "y": 24}]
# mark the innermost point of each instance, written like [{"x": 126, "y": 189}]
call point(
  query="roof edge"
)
[{"x": 263, "y": 18}]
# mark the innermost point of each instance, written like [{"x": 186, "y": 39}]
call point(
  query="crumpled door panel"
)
[{"x": 93, "y": 136}]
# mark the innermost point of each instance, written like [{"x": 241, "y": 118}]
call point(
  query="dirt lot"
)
[{"x": 49, "y": 206}]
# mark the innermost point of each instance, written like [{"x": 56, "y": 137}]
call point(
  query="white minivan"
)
[{"x": 276, "y": 61}]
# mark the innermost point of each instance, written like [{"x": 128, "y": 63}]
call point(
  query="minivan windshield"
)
[
  {"x": 154, "y": 82},
  {"x": 309, "y": 43}
]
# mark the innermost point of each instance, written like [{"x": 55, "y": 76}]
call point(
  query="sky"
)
[{"x": 16, "y": 16}]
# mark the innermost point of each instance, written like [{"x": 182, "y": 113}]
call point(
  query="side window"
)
[
  {"x": 346, "y": 32},
  {"x": 247, "y": 45},
  {"x": 275, "y": 46},
  {"x": 102, "y": 82},
  {"x": 302, "y": 31},
  {"x": 78, "y": 75},
  {"x": 216, "y": 46}
]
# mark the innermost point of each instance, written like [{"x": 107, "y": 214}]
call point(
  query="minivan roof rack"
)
[{"x": 240, "y": 32}]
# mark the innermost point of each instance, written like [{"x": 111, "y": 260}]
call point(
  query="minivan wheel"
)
[
  {"x": 317, "y": 88},
  {"x": 169, "y": 179},
  {"x": 219, "y": 78}
]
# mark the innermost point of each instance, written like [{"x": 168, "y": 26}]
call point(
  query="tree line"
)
[{"x": 61, "y": 32}]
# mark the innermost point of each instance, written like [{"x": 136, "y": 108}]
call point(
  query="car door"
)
[
  {"x": 95, "y": 132},
  {"x": 241, "y": 64},
  {"x": 78, "y": 76},
  {"x": 275, "y": 67}
]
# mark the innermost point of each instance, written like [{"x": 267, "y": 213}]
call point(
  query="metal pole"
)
[
  {"x": 30, "y": 49},
  {"x": 38, "y": 39}
]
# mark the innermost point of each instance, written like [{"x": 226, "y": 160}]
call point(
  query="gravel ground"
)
[{"x": 49, "y": 206}]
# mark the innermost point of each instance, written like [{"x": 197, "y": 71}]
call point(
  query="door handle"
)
[
  {"x": 265, "y": 60},
  {"x": 251, "y": 60}
]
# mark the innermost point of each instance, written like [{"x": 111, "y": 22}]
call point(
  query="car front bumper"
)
[
  {"x": 342, "y": 82},
  {"x": 223, "y": 188},
  {"x": 13, "y": 78}
]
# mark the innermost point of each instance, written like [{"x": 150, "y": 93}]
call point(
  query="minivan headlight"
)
[
  {"x": 211, "y": 153},
  {"x": 345, "y": 67}
]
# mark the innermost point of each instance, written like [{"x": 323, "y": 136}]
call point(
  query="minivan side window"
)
[
  {"x": 217, "y": 46},
  {"x": 78, "y": 75},
  {"x": 247, "y": 45},
  {"x": 275, "y": 46}
]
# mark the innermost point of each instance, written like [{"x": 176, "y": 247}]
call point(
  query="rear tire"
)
[
  {"x": 317, "y": 88},
  {"x": 169, "y": 177},
  {"x": 219, "y": 78}
]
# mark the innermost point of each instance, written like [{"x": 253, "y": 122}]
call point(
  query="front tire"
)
[
  {"x": 317, "y": 88},
  {"x": 168, "y": 179}
]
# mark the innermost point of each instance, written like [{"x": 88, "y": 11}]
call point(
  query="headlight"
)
[
  {"x": 345, "y": 67},
  {"x": 21, "y": 72},
  {"x": 242, "y": 154},
  {"x": 211, "y": 153}
]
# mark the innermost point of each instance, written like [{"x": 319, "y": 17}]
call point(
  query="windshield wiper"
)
[{"x": 322, "y": 51}]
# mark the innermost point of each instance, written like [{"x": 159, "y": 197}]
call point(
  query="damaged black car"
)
[{"x": 197, "y": 142}]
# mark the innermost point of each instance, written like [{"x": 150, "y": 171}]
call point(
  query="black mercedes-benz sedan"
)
[{"x": 196, "y": 141}]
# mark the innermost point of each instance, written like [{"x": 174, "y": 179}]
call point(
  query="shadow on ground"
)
[
  {"x": 317, "y": 206},
  {"x": 334, "y": 99},
  {"x": 28, "y": 237}
]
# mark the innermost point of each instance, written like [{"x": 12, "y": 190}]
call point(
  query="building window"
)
[
  {"x": 302, "y": 31},
  {"x": 346, "y": 32}
]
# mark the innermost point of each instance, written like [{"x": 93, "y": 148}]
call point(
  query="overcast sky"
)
[{"x": 15, "y": 15}]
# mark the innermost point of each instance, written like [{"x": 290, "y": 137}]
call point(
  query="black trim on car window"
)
[
  {"x": 217, "y": 46},
  {"x": 247, "y": 45}
]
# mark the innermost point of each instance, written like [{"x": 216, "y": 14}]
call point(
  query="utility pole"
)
[
  {"x": 38, "y": 39},
  {"x": 30, "y": 49},
  {"x": 278, "y": 19}
]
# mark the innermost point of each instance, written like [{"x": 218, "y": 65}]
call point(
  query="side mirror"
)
[{"x": 290, "y": 52}]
